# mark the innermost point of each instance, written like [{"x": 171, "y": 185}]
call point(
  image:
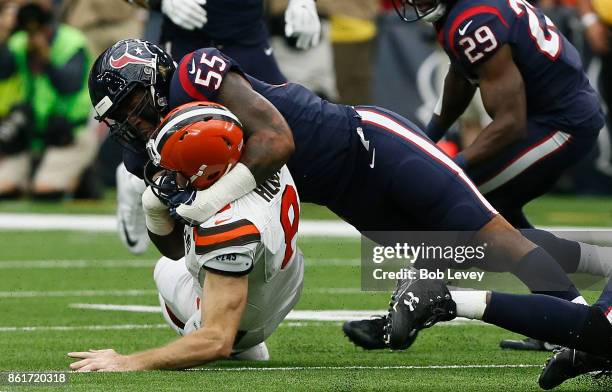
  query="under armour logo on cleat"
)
[{"x": 411, "y": 301}]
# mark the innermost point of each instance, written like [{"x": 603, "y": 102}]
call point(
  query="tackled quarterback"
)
[{"x": 241, "y": 273}]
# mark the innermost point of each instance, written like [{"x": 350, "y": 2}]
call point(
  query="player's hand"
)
[
  {"x": 102, "y": 360},
  {"x": 188, "y": 14},
  {"x": 598, "y": 37},
  {"x": 302, "y": 22}
]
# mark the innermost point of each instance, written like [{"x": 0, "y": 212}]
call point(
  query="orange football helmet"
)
[{"x": 200, "y": 140}]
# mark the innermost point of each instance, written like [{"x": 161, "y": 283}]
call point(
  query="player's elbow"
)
[
  {"x": 221, "y": 343},
  {"x": 287, "y": 147},
  {"x": 516, "y": 127}
]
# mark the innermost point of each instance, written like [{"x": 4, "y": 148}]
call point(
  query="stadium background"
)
[{"x": 68, "y": 283}]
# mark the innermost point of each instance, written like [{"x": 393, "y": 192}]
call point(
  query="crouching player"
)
[{"x": 242, "y": 272}]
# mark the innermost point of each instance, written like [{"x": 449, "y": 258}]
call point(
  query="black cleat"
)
[
  {"x": 368, "y": 334},
  {"x": 568, "y": 363},
  {"x": 416, "y": 304},
  {"x": 528, "y": 344}
]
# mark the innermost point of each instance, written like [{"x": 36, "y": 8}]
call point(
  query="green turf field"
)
[{"x": 45, "y": 273}]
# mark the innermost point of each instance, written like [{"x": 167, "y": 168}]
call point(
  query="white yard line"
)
[
  {"x": 308, "y": 228},
  {"x": 294, "y": 315},
  {"x": 77, "y": 293},
  {"x": 136, "y": 263},
  {"x": 147, "y": 292},
  {"x": 391, "y": 367},
  {"x": 108, "y": 223},
  {"x": 62, "y": 328}
]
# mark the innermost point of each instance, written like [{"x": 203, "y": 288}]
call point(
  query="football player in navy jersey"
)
[
  {"x": 370, "y": 166},
  {"x": 546, "y": 116},
  {"x": 236, "y": 27}
]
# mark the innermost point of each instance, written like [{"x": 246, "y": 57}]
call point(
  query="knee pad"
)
[{"x": 596, "y": 334}]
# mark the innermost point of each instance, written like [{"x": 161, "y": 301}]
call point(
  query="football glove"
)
[
  {"x": 188, "y": 14},
  {"x": 302, "y": 22}
]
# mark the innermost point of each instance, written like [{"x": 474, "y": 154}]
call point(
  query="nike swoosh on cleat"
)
[
  {"x": 464, "y": 28},
  {"x": 131, "y": 243}
]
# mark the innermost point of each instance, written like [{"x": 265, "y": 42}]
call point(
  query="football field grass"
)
[{"x": 49, "y": 277}]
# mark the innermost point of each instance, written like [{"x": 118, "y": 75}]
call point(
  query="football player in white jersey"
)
[{"x": 241, "y": 273}]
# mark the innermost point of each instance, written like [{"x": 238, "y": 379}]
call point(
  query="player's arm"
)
[
  {"x": 224, "y": 300},
  {"x": 269, "y": 141},
  {"x": 597, "y": 34},
  {"x": 164, "y": 231},
  {"x": 503, "y": 95},
  {"x": 269, "y": 145},
  {"x": 456, "y": 97}
]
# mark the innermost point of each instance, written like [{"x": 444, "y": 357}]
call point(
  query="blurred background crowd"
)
[{"x": 51, "y": 148}]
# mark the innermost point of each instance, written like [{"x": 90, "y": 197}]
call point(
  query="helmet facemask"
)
[
  {"x": 413, "y": 10},
  {"x": 123, "y": 127}
]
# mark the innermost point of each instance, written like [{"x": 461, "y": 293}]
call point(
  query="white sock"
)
[
  {"x": 595, "y": 260},
  {"x": 470, "y": 304}
]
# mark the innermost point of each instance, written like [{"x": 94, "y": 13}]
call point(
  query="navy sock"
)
[
  {"x": 565, "y": 252},
  {"x": 538, "y": 316},
  {"x": 543, "y": 275}
]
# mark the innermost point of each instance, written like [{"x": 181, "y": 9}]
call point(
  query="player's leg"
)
[
  {"x": 570, "y": 362},
  {"x": 178, "y": 297},
  {"x": 130, "y": 216},
  {"x": 528, "y": 169},
  {"x": 418, "y": 304},
  {"x": 61, "y": 167},
  {"x": 14, "y": 174},
  {"x": 425, "y": 185}
]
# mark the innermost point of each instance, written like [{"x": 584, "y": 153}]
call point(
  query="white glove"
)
[
  {"x": 157, "y": 217},
  {"x": 302, "y": 21},
  {"x": 188, "y": 14},
  {"x": 236, "y": 183}
]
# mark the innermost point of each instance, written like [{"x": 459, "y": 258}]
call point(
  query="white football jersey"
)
[{"x": 254, "y": 235}]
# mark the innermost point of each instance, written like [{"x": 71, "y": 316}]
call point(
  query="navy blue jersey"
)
[
  {"x": 324, "y": 146},
  {"x": 557, "y": 89},
  {"x": 229, "y": 22}
]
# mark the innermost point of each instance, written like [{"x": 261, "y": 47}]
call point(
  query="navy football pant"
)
[
  {"x": 256, "y": 60},
  {"x": 406, "y": 182},
  {"x": 529, "y": 169}
]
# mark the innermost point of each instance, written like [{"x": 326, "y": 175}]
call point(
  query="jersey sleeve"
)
[
  {"x": 199, "y": 76},
  {"x": 228, "y": 248},
  {"x": 476, "y": 34}
]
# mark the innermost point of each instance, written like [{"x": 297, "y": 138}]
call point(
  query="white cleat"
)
[
  {"x": 130, "y": 216},
  {"x": 255, "y": 353}
]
